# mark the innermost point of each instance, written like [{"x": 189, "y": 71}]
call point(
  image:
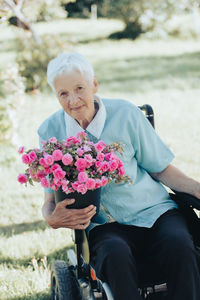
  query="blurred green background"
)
[{"x": 142, "y": 51}]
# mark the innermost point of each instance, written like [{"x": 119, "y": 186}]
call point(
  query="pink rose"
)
[
  {"x": 90, "y": 184},
  {"x": 54, "y": 187},
  {"x": 81, "y": 134},
  {"x": 86, "y": 148},
  {"x": 67, "y": 159},
  {"x": 104, "y": 181},
  {"x": 57, "y": 155},
  {"x": 82, "y": 177},
  {"x": 82, "y": 189},
  {"x": 80, "y": 151},
  {"x": 81, "y": 164},
  {"x": 47, "y": 171},
  {"x": 107, "y": 156},
  {"x": 121, "y": 171},
  {"x": 98, "y": 164},
  {"x": 98, "y": 183},
  {"x": 105, "y": 166},
  {"x": 100, "y": 146},
  {"x": 113, "y": 165},
  {"x": 53, "y": 140},
  {"x": 21, "y": 150},
  {"x": 75, "y": 185},
  {"x": 26, "y": 159},
  {"x": 32, "y": 156},
  {"x": 55, "y": 166},
  {"x": 40, "y": 174},
  {"x": 49, "y": 160},
  {"x": 88, "y": 158},
  {"x": 44, "y": 182},
  {"x": 22, "y": 178},
  {"x": 57, "y": 182},
  {"x": 59, "y": 173},
  {"x": 42, "y": 162}
]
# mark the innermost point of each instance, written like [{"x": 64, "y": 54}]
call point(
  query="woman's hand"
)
[{"x": 70, "y": 218}]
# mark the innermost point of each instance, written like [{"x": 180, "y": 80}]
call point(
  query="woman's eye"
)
[
  {"x": 63, "y": 94},
  {"x": 80, "y": 88}
]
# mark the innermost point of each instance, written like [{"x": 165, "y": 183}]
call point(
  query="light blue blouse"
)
[{"x": 141, "y": 203}]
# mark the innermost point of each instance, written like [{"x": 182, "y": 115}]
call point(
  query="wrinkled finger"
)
[
  {"x": 82, "y": 226},
  {"x": 85, "y": 210}
]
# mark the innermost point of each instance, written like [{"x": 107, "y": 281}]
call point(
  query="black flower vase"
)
[{"x": 91, "y": 197}]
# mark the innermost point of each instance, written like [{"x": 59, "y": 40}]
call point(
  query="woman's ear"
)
[{"x": 95, "y": 85}]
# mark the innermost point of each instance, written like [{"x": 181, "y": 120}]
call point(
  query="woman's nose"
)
[{"x": 73, "y": 99}]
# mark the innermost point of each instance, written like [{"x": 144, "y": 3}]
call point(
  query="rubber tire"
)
[{"x": 64, "y": 284}]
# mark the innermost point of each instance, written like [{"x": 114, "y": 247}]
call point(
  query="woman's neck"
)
[{"x": 85, "y": 122}]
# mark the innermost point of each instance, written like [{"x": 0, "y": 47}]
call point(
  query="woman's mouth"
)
[{"x": 77, "y": 108}]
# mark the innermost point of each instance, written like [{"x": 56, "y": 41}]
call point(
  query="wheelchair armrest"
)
[{"x": 185, "y": 200}]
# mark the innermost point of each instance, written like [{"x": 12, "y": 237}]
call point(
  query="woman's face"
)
[{"x": 76, "y": 95}]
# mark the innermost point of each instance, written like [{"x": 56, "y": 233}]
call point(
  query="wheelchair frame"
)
[{"x": 88, "y": 284}]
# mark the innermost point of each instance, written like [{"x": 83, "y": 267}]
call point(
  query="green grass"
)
[{"x": 164, "y": 73}]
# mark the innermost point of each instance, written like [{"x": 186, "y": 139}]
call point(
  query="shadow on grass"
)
[
  {"x": 23, "y": 227},
  {"x": 160, "y": 72},
  {"x": 17, "y": 263},
  {"x": 37, "y": 296}
]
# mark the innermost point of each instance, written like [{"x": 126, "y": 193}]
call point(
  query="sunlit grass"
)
[{"x": 163, "y": 73}]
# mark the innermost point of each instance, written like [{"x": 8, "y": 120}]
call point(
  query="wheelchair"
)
[{"x": 76, "y": 279}]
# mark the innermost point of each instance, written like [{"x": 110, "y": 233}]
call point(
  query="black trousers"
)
[{"x": 123, "y": 254}]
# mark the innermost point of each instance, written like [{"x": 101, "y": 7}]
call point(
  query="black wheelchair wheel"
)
[{"x": 64, "y": 284}]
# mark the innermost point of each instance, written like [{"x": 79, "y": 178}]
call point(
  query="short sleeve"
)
[
  {"x": 46, "y": 190},
  {"x": 150, "y": 151}
]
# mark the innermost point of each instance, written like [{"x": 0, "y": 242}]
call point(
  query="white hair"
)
[{"x": 66, "y": 62}]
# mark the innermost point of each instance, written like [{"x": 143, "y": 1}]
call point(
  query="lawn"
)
[{"x": 164, "y": 73}]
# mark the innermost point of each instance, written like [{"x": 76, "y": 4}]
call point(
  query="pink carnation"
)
[
  {"x": 49, "y": 160},
  {"x": 81, "y": 164},
  {"x": 57, "y": 155},
  {"x": 59, "y": 173},
  {"x": 80, "y": 151},
  {"x": 32, "y": 156},
  {"x": 90, "y": 184},
  {"x": 26, "y": 159},
  {"x": 22, "y": 178},
  {"x": 82, "y": 189},
  {"x": 100, "y": 156},
  {"x": 21, "y": 150},
  {"x": 82, "y": 177},
  {"x": 53, "y": 140},
  {"x": 44, "y": 182},
  {"x": 100, "y": 146},
  {"x": 67, "y": 159}
]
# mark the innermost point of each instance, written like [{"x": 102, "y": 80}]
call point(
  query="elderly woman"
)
[{"x": 137, "y": 221}]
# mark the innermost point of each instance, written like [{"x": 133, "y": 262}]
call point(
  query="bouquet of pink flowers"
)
[{"x": 75, "y": 164}]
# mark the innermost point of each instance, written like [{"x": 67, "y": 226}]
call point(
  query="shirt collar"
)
[{"x": 96, "y": 125}]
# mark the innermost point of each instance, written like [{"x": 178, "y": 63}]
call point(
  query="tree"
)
[{"x": 140, "y": 16}]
